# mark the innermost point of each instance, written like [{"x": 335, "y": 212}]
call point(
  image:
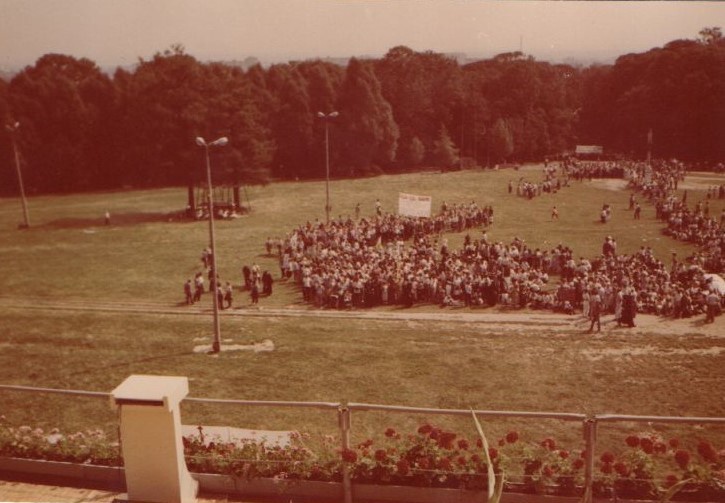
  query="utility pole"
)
[{"x": 13, "y": 130}]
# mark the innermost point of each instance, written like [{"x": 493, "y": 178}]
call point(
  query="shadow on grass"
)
[{"x": 117, "y": 220}]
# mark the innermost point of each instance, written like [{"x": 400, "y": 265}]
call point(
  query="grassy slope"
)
[{"x": 69, "y": 253}]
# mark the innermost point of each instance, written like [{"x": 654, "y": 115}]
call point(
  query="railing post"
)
[
  {"x": 590, "y": 440},
  {"x": 343, "y": 417}
]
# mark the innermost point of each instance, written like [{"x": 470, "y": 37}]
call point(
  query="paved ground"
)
[{"x": 26, "y": 492}]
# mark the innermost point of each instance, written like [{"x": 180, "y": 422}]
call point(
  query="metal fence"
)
[{"x": 589, "y": 424}]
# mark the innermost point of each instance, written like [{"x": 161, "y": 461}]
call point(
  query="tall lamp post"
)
[
  {"x": 326, "y": 118},
  {"x": 13, "y": 130},
  {"x": 216, "y": 344}
]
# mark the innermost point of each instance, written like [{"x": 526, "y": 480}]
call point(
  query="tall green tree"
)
[
  {"x": 369, "y": 134},
  {"x": 62, "y": 104},
  {"x": 445, "y": 153},
  {"x": 502, "y": 141}
]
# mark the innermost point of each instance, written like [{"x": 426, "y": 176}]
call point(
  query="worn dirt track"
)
[{"x": 490, "y": 319}]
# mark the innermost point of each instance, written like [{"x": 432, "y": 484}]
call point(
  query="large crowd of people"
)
[
  {"x": 395, "y": 260},
  {"x": 389, "y": 259}
]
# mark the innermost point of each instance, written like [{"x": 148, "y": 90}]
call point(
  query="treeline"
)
[{"x": 81, "y": 129}]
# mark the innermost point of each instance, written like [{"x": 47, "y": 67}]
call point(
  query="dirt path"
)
[{"x": 500, "y": 320}]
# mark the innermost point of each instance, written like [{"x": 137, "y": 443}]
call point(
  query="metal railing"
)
[{"x": 589, "y": 423}]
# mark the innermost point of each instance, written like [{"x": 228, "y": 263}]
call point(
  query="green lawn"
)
[{"x": 69, "y": 253}]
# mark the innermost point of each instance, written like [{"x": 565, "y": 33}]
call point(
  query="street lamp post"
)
[
  {"x": 326, "y": 118},
  {"x": 216, "y": 344},
  {"x": 13, "y": 129}
]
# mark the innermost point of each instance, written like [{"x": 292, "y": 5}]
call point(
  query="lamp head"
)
[
  {"x": 200, "y": 141},
  {"x": 220, "y": 142},
  {"x": 334, "y": 114}
]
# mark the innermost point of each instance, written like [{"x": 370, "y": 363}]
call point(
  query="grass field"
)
[{"x": 144, "y": 256}]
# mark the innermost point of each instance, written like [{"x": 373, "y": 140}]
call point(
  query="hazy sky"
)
[{"x": 114, "y": 32}]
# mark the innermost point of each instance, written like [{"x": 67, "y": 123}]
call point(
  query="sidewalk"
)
[{"x": 26, "y": 492}]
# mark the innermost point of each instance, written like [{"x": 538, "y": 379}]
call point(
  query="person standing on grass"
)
[
  {"x": 199, "y": 284},
  {"x": 637, "y": 211},
  {"x": 228, "y": 292},
  {"x": 712, "y": 305},
  {"x": 595, "y": 310},
  {"x": 219, "y": 294},
  {"x": 188, "y": 293},
  {"x": 554, "y": 213},
  {"x": 255, "y": 292}
]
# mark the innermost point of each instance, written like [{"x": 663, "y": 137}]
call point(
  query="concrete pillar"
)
[{"x": 151, "y": 442}]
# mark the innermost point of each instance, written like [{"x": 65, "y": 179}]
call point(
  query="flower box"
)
[
  {"x": 112, "y": 476},
  {"x": 284, "y": 489}
]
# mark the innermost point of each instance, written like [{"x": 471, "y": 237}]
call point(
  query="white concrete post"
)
[{"x": 151, "y": 443}]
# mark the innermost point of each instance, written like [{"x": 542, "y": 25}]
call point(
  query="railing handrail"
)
[
  {"x": 91, "y": 394},
  {"x": 565, "y": 416},
  {"x": 658, "y": 419}
]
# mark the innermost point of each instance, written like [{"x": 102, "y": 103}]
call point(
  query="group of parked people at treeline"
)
[
  {"x": 397, "y": 260},
  {"x": 256, "y": 282}
]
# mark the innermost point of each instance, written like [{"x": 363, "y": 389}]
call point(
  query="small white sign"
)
[{"x": 414, "y": 206}]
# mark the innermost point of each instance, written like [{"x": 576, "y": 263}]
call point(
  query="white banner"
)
[{"x": 414, "y": 206}]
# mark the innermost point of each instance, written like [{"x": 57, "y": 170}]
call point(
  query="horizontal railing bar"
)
[
  {"x": 393, "y": 408},
  {"x": 32, "y": 389},
  {"x": 264, "y": 403},
  {"x": 658, "y": 419},
  {"x": 463, "y": 412}
]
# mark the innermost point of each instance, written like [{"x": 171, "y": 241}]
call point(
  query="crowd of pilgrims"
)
[
  {"x": 690, "y": 224},
  {"x": 559, "y": 175},
  {"x": 398, "y": 260}
]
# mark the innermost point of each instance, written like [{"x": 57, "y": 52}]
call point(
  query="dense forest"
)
[{"x": 81, "y": 129}]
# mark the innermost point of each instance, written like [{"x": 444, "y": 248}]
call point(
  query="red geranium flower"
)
[
  {"x": 674, "y": 443},
  {"x": 445, "y": 439},
  {"x": 390, "y": 433},
  {"x": 381, "y": 455},
  {"x": 563, "y": 454},
  {"x": 366, "y": 444},
  {"x": 621, "y": 468},
  {"x": 445, "y": 464},
  {"x": 682, "y": 458},
  {"x": 349, "y": 456},
  {"x": 547, "y": 471},
  {"x": 476, "y": 458},
  {"x": 434, "y": 433},
  {"x": 607, "y": 457},
  {"x": 512, "y": 437},
  {"x": 578, "y": 464},
  {"x": 501, "y": 442},
  {"x": 463, "y": 444},
  {"x": 707, "y": 452},
  {"x": 583, "y": 454},
  {"x": 492, "y": 452},
  {"x": 647, "y": 445},
  {"x": 671, "y": 480},
  {"x": 423, "y": 463},
  {"x": 425, "y": 429},
  {"x": 632, "y": 441},
  {"x": 660, "y": 447},
  {"x": 479, "y": 443},
  {"x": 403, "y": 467},
  {"x": 549, "y": 443},
  {"x": 606, "y": 468},
  {"x": 461, "y": 460}
]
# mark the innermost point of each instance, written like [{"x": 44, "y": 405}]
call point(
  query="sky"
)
[{"x": 115, "y": 32}]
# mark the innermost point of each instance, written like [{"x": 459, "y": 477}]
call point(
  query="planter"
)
[
  {"x": 285, "y": 490},
  {"x": 105, "y": 475}
]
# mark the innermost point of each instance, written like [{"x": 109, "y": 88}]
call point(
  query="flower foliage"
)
[
  {"x": 87, "y": 447},
  {"x": 644, "y": 466}
]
